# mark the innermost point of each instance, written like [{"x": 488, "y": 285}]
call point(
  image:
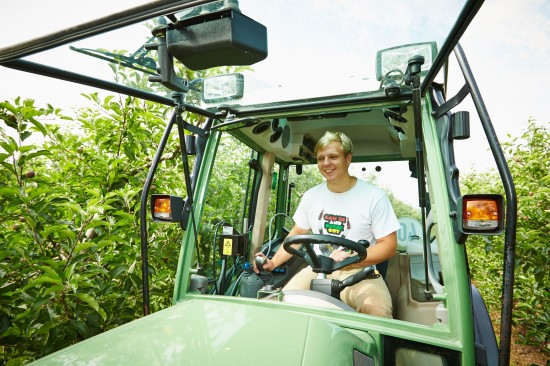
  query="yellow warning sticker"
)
[{"x": 227, "y": 246}]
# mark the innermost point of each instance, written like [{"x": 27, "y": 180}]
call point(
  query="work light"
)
[
  {"x": 397, "y": 58},
  {"x": 223, "y": 88}
]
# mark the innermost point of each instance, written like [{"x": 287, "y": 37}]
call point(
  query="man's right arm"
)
[{"x": 282, "y": 255}]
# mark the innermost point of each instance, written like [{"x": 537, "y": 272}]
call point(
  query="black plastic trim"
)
[
  {"x": 60, "y": 74},
  {"x": 113, "y": 21},
  {"x": 445, "y": 136},
  {"x": 484, "y": 334}
]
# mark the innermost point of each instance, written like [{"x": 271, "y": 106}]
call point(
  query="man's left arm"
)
[{"x": 384, "y": 249}]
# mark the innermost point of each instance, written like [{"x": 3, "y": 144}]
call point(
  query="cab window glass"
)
[
  {"x": 392, "y": 176},
  {"x": 230, "y": 182},
  {"x": 226, "y": 204}
]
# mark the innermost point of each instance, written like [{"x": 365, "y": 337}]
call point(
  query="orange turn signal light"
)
[
  {"x": 166, "y": 208},
  {"x": 482, "y": 214}
]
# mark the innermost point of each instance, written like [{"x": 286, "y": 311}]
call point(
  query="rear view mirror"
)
[{"x": 221, "y": 38}]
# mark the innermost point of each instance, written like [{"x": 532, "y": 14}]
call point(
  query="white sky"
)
[{"x": 507, "y": 46}]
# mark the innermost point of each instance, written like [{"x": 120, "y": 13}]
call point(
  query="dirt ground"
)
[{"x": 521, "y": 355}]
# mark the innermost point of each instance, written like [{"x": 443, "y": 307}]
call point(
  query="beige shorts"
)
[{"x": 370, "y": 296}]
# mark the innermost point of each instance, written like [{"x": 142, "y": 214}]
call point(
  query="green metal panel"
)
[
  {"x": 451, "y": 254},
  {"x": 210, "y": 332}
]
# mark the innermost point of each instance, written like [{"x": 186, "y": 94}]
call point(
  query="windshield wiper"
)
[{"x": 137, "y": 61}]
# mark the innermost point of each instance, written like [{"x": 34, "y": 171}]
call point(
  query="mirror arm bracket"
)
[
  {"x": 451, "y": 103},
  {"x": 166, "y": 74}
]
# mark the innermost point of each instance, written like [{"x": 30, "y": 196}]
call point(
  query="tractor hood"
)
[{"x": 220, "y": 332}]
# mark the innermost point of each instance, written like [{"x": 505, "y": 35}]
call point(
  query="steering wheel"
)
[{"x": 320, "y": 263}]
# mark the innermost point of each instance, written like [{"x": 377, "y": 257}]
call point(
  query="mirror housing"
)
[{"x": 221, "y": 38}]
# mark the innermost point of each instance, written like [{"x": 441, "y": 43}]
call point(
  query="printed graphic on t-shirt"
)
[{"x": 332, "y": 224}]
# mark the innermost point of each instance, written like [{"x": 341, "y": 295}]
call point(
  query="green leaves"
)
[
  {"x": 69, "y": 259},
  {"x": 45, "y": 279},
  {"x": 92, "y": 302},
  {"x": 529, "y": 165}
]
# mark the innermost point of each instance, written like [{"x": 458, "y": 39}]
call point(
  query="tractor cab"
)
[{"x": 251, "y": 86}]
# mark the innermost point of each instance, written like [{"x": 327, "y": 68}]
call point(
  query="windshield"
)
[{"x": 316, "y": 48}]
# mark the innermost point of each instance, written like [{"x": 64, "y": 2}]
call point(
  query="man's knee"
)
[
  {"x": 383, "y": 310},
  {"x": 371, "y": 297}
]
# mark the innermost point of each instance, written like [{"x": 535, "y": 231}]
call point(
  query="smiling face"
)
[{"x": 333, "y": 163}]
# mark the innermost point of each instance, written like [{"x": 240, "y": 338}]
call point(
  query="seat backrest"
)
[
  {"x": 409, "y": 236},
  {"x": 382, "y": 267}
]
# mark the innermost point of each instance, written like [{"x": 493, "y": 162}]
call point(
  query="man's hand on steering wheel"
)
[
  {"x": 320, "y": 263},
  {"x": 340, "y": 254}
]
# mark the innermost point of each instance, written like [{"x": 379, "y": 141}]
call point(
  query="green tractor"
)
[{"x": 375, "y": 72}]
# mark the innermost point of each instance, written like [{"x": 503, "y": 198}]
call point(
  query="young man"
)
[{"x": 347, "y": 207}]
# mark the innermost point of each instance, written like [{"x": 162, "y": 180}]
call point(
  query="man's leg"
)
[
  {"x": 301, "y": 280},
  {"x": 369, "y": 296}
]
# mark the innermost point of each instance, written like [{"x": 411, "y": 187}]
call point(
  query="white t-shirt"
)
[{"x": 362, "y": 213}]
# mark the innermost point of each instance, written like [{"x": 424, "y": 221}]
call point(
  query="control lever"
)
[
  {"x": 264, "y": 274},
  {"x": 338, "y": 286},
  {"x": 260, "y": 261}
]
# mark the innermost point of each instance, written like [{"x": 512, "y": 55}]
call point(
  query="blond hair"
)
[{"x": 331, "y": 136}]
